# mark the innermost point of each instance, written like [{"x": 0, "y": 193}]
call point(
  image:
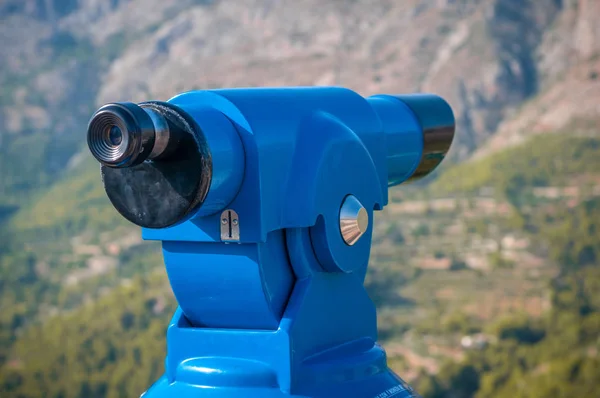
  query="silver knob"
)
[{"x": 354, "y": 220}]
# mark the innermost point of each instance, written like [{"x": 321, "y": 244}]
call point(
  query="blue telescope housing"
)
[{"x": 263, "y": 199}]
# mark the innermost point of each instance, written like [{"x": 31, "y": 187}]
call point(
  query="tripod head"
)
[{"x": 263, "y": 199}]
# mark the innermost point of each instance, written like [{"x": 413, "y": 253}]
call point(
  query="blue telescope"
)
[{"x": 263, "y": 199}]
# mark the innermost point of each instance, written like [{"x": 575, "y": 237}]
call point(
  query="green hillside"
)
[
  {"x": 76, "y": 202},
  {"x": 55, "y": 252},
  {"x": 546, "y": 160},
  {"x": 554, "y": 160},
  {"x": 105, "y": 338},
  {"x": 557, "y": 354},
  {"x": 117, "y": 354}
]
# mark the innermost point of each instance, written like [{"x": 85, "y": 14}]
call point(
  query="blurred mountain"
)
[{"x": 509, "y": 67}]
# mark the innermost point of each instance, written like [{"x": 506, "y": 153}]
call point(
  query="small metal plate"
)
[{"x": 230, "y": 226}]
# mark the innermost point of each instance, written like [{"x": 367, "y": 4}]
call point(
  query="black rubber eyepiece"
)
[
  {"x": 151, "y": 191},
  {"x": 121, "y": 135}
]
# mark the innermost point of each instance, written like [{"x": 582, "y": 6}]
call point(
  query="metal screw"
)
[{"x": 354, "y": 220}]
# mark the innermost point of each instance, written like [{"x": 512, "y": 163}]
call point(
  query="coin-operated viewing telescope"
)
[{"x": 263, "y": 199}]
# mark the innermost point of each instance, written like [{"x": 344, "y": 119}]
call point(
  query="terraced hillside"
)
[{"x": 446, "y": 273}]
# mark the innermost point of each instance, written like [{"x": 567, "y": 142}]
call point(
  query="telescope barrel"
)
[
  {"x": 419, "y": 129},
  {"x": 163, "y": 162}
]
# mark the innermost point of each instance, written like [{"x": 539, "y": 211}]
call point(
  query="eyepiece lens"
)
[
  {"x": 114, "y": 135},
  {"x": 107, "y": 138}
]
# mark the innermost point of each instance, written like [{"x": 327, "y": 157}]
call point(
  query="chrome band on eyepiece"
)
[
  {"x": 161, "y": 133},
  {"x": 437, "y": 122}
]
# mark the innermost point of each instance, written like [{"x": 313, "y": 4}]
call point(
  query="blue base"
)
[
  {"x": 369, "y": 380},
  {"x": 385, "y": 385},
  {"x": 204, "y": 362}
]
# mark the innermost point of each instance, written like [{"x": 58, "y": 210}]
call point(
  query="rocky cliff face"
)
[
  {"x": 479, "y": 55},
  {"x": 508, "y": 67},
  {"x": 568, "y": 70}
]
